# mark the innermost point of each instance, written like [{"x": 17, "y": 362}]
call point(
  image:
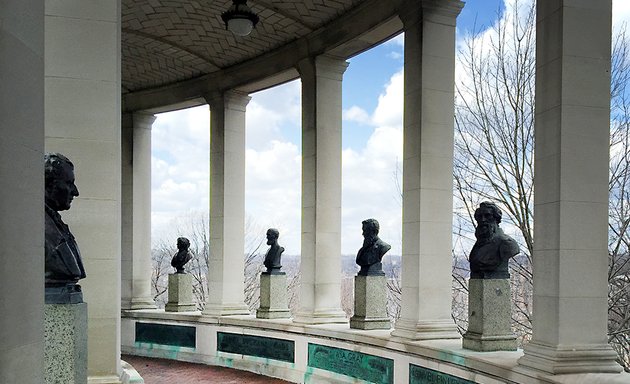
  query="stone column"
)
[
  {"x": 22, "y": 198},
  {"x": 227, "y": 204},
  {"x": 428, "y": 170},
  {"x": 571, "y": 202},
  {"x": 136, "y": 212},
  {"x": 320, "y": 265},
  {"x": 82, "y": 101}
]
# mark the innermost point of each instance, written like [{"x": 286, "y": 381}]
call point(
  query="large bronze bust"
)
[
  {"x": 490, "y": 255},
  {"x": 371, "y": 253},
  {"x": 274, "y": 253},
  {"x": 63, "y": 264}
]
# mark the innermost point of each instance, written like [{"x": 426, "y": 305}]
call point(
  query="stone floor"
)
[{"x": 162, "y": 371}]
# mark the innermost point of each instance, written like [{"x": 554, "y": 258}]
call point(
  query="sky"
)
[{"x": 371, "y": 139}]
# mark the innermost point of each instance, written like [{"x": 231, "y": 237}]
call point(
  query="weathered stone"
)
[
  {"x": 180, "y": 294},
  {"x": 489, "y": 316},
  {"x": 370, "y": 303},
  {"x": 65, "y": 343},
  {"x": 273, "y": 297}
]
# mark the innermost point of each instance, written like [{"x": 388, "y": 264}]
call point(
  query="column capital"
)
[
  {"x": 329, "y": 66},
  {"x": 412, "y": 12},
  {"x": 143, "y": 120},
  {"x": 228, "y": 99}
]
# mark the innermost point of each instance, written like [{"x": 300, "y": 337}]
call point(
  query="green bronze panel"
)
[
  {"x": 421, "y": 375},
  {"x": 359, "y": 365},
  {"x": 165, "y": 334},
  {"x": 266, "y": 347}
]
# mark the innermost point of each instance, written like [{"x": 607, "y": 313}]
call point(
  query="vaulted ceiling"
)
[{"x": 175, "y": 50}]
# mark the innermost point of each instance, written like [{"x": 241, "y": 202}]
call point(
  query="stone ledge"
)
[{"x": 445, "y": 356}]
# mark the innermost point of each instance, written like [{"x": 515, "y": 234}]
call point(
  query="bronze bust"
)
[
  {"x": 182, "y": 256},
  {"x": 490, "y": 255},
  {"x": 274, "y": 253},
  {"x": 371, "y": 253},
  {"x": 63, "y": 264}
]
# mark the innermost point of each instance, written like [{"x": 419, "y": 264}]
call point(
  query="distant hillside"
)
[{"x": 291, "y": 263}]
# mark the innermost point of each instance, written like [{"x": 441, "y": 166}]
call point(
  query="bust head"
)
[
  {"x": 59, "y": 185},
  {"x": 370, "y": 229},
  {"x": 272, "y": 236},
  {"x": 488, "y": 217},
  {"x": 183, "y": 243}
]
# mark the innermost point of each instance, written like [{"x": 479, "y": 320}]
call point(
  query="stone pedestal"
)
[
  {"x": 370, "y": 303},
  {"x": 273, "y": 296},
  {"x": 180, "y": 293},
  {"x": 489, "y": 316},
  {"x": 65, "y": 343}
]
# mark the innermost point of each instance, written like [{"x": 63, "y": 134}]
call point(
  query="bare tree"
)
[
  {"x": 161, "y": 264},
  {"x": 254, "y": 239},
  {"x": 494, "y": 139},
  {"x": 195, "y": 227},
  {"x": 619, "y": 205},
  {"x": 494, "y": 144}
]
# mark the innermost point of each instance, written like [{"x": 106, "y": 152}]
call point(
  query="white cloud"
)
[
  {"x": 180, "y": 165},
  {"x": 269, "y": 110},
  {"x": 357, "y": 114},
  {"x": 389, "y": 110},
  {"x": 273, "y": 191},
  {"x": 621, "y": 12}
]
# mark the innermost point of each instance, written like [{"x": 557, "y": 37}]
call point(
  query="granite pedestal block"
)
[
  {"x": 489, "y": 316},
  {"x": 180, "y": 293},
  {"x": 65, "y": 343},
  {"x": 273, "y": 296},
  {"x": 370, "y": 303}
]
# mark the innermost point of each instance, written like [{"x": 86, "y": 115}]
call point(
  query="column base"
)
[
  {"x": 219, "y": 310},
  {"x": 65, "y": 343},
  {"x": 108, "y": 379},
  {"x": 426, "y": 330},
  {"x": 139, "y": 303},
  {"x": 567, "y": 359},
  {"x": 129, "y": 374},
  {"x": 323, "y": 316}
]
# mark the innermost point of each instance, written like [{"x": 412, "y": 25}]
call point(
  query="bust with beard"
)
[
  {"x": 274, "y": 253},
  {"x": 371, "y": 253},
  {"x": 490, "y": 255}
]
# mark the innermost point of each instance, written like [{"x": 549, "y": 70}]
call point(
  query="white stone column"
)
[
  {"x": 571, "y": 202},
  {"x": 428, "y": 171},
  {"x": 136, "y": 212},
  {"x": 82, "y": 111},
  {"x": 320, "y": 261},
  {"x": 22, "y": 195},
  {"x": 227, "y": 204}
]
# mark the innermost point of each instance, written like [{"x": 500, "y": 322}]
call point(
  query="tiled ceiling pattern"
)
[{"x": 166, "y": 41}]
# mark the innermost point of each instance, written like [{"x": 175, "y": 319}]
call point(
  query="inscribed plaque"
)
[
  {"x": 266, "y": 347},
  {"x": 421, "y": 375},
  {"x": 359, "y": 365}
]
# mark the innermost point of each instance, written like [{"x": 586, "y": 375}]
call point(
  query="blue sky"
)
[{"x": 372, "y": 149}]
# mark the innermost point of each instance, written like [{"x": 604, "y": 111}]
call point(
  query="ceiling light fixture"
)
[{"x": 239, "y": 18}]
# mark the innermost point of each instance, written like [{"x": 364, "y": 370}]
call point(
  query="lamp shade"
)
[{"x": 239, "y": 18}]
